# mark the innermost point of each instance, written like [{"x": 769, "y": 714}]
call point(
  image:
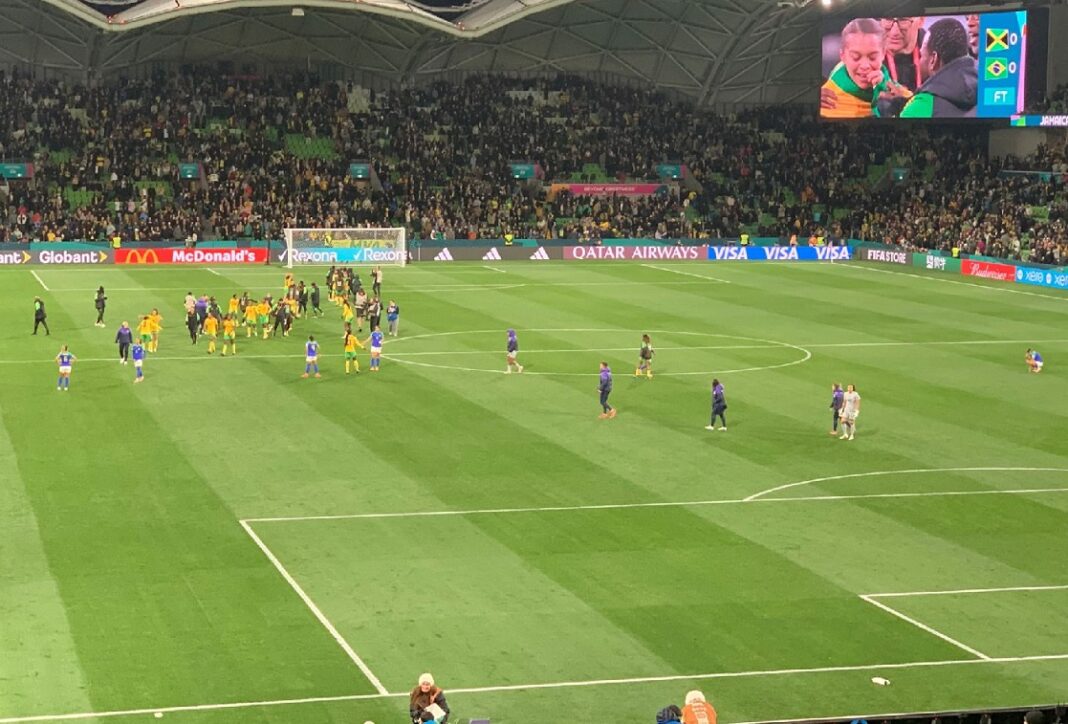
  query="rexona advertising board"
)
[
  {"x": 171, "y": 255},
  {"x": 1042, "y": 277},
  {"x": 779, "y": 253},
  {"x": 634, "y": 253},
  {"x": 342, "y": 255},
  {"x": 988, "y": 270}
]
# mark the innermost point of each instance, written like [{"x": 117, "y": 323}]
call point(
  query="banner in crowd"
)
[
  {"x": 936, "y": 262},
  {"x": 54, "y": 256},
  {"x": 343, "y": 255},
  {"x": 779, "y": 253},
  {"x": 635, "y": 253},
  {"x": 608, "y": 189},
  {"x": 488, "y": 253},
  {"x": 181, "y": 255},
  {"x": 1042, "y": 277},
  {"x": 988, "y": 270},
  {"x": 16, "y": 170},
  {"x": 887, "y": 256}
]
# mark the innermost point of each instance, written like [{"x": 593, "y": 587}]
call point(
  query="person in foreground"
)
[
  {"x": 853, "y": 88},
  {"x": 719, "y": 406},
  {"x": 1034, "y": 360},
  {"x": 670, "y": 714},
  {"x": 427, "y": 702},
  {"x": 605, "y": 388},
  {"x": 697, "y": 709}
]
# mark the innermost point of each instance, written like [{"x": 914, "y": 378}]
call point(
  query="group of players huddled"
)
[{"x": 266, "y": 317}]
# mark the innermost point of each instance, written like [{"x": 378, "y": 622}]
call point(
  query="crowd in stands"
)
[{"x": 276, "y": 153}]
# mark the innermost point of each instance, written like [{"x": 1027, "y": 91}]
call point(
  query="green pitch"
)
[{"x": 229, "y": 533}]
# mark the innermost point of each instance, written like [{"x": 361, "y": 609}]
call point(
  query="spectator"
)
[{"x": 698, "y": 710}]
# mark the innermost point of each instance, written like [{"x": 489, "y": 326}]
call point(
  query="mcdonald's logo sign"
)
[{"x": 141, "y": 256}]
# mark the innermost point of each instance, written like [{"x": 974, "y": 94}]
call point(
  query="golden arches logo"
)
[{"x": 141, "y": 256}]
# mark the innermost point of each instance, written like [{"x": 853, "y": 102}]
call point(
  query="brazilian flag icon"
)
[
  {"x": 996, "y": 39},
  {"x": 996, "y": 69}
]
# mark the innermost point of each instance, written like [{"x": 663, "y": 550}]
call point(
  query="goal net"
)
[{"x": 345, "y": 246}]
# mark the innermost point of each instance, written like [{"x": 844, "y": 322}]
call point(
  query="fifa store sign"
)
[{"x": 779, "y": 253}]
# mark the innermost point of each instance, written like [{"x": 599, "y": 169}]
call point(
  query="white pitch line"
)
[
  {"x": 962, "y": 591},
  {"x": 375, "y": 682},
  {"x": 657, "y": 504},
  {"x": 549, "y": 685},
  {"x": 493, "y": 268},
  {"x": 213, "y": 271},
  {"x": 924, "y": 627},
  {"x": 1007, "y": 289},
  {"x": 40, "y": 280},
  {"x": 912, "y": 471},
  {"x": 686, "y": 274}
]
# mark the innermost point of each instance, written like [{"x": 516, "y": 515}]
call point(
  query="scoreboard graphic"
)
[{"x": 1002, "y": 64}]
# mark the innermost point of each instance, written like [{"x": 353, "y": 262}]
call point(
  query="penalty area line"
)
[
  {"x": 716, "y": 280},
  {"x": 40, "y": 280},
  {"x": 896, "y": 666}
]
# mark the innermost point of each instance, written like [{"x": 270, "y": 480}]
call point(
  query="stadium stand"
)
[{"x": 276, "y": 151}]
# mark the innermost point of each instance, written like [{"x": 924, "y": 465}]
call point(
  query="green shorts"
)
[
  {"x": 262, "y": 319},
  {"x": 146, "y": 337},
  {"x": 350, "y": 355},
  {"x": 229, "y": 337}
]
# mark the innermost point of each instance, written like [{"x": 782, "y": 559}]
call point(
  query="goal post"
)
[{"x": 346, "y": 247}]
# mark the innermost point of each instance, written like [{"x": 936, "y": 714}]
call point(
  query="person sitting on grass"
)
[{"x": 427, "y": 702}]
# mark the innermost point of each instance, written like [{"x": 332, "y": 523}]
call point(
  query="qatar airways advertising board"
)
[{"x": 634, "y": 253}]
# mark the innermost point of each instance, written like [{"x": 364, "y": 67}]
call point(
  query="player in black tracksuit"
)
[{"x": 315, "y": 299}]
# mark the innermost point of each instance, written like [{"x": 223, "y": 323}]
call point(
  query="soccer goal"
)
[{"x": 345, "y": 246}]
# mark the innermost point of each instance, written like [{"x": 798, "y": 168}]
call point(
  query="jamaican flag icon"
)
[
  {"x": 996, "y": 69},
  {"x": 996, "y": 39}
]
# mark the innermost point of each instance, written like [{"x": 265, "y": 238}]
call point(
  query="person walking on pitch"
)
[
  {"x": 719, "y": 406},
  {"x": 645, "y": 358},
  {"x": 40, "y": 316},
  {"x": 850, "y": 412},
  {"x": 124, "y": 338},
  {"x": 836, "y": 406},
  {"x": 101, "y": 303},
  {"x": 316, "y": 297},
  {"x": 139, "y": 361},
  {"x": 512, "y": 353},
  {"x": 393, "y": 317},
  {"x": 605, "y": 388}
]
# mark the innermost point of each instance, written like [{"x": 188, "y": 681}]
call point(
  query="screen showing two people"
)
[{"x": 936, "y": 66}]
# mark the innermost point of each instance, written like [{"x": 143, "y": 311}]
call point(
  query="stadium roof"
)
[{"x": 715, "y": 51}]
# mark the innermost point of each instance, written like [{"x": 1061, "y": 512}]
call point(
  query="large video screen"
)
[{"x": 934, "y": 66}]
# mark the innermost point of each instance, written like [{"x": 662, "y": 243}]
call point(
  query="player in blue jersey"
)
[
  {"x": 138, "y": 354},
  {"x": 719, "y": 406},
  {"x": 311, "y": 357},
  {"x": 605, "y": 388},
  {"x": 376, "y": 349},
  {"x": 65, "y": 360},
  {"x": 513, "y": 353},
  {"x": 1034, "y": 360}
]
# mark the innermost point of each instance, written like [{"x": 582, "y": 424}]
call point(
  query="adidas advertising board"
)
[{"x": 487, "y": 253}]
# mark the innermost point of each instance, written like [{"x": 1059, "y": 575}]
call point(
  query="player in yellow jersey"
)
[
  {"x": 229, "y": 326},
  {"x": 251, "y": 313},
  {"x": 287, "y": 283},
  {"x": 351, "y": 343},
  {"x": 144, "y": 328},
  {"x": 263, "y": 316},
  {"x": 211, "y": 329},
  {"x": 234, "y": 306},
  {"x": 346, "y": 312},
  {"x": 157, "y": 327}
]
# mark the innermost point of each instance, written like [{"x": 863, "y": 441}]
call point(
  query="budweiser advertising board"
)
[
  {"x": 171, "y": 255},
  {"x": 988, "y": 270}
]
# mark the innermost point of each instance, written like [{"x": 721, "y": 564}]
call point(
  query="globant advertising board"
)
[
  {"x": 1042, "y": 277},
  {"x": 779, "y": 253},
  {"x": 181, "y": 255},
  {"x": 988, "y": 270},
  {"x": 54, "y": 256},
  {"x": 340, "y": 255}
]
